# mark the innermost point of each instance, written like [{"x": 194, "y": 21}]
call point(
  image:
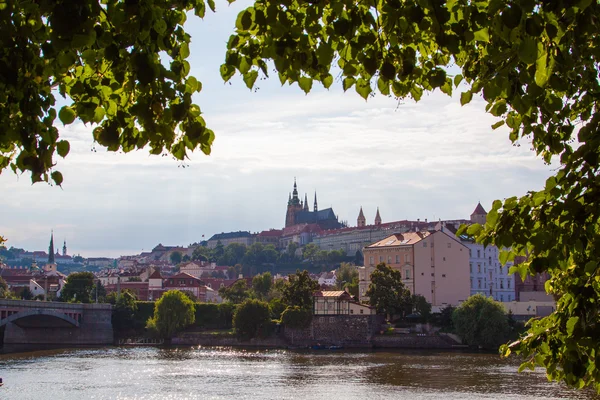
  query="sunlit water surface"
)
[{"x": 223, "y": 373}]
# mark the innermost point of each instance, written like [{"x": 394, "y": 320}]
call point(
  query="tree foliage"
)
[
  {"x": 79, "y": 287},
  {"x": 172, "y": 312},
  {"x": 420, "y": 305},
  {"x": 299, "y": 290},
  {"x": 236, "y": 293},
  {"x": 386, "y": 291},
  {"x": 5, "y": 292},
  {"x": 261, "y": 285},
  {"x": 123, "y": 315},
  {"x": 296, "y": 317},
  {"x": 251, "y": 319},
  {"x": 481, "y": 321},
  {"x": 176, "y": 257},
  {"x": 534, "y": 62}
]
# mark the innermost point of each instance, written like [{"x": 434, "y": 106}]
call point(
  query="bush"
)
[
  {"x": 214, "y": 316},
  {"x": 252, "y": 319},
  {"x": 172, "y": 312},
  {"x": 481, "y": 321},
  {"x": 296, "y": 317},
  {"x": 277, "y": 308}
]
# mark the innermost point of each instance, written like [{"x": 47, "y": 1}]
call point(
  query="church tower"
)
[
  {"x": 315, "y": 207},
  {"x": 361, "y": 220},
  {"x": 377, "y": 218},
  {"x": 51, "y": 249},
  {"x": 294, "y": 205},
  {"x": 65, "y": 248},
  {"x": 305, "y": 202},
  {"x": 479, "y": 215}
]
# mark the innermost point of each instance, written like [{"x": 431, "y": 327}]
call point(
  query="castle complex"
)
[{"x": 299, "y": 213}]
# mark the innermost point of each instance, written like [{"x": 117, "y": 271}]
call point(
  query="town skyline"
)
[{"x": 432, "y": 159}]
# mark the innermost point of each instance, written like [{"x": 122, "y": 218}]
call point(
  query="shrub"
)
[
  {"x": 296, "y": 317},
  {"x": 172, "y": 312},
  {"x": 481, "y": 321},
  {"x": 252, "y": 319}
]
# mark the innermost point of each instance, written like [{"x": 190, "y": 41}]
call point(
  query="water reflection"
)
[{"x": 223, "y": 373}]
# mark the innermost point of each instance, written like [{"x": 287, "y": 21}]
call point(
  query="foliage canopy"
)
[
  {"x": 481, "y": 321},
  {"x": 386, "y": 291},
  {"x": 172, "y": 312},
  {"x": 79, "y": 288},
  {"x": 535, "y": 63},
  {"x": 251, "y": 319}
]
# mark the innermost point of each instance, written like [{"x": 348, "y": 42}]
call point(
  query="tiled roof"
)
[
  {"x": 271, "y": 233},
  {"x": 332, "y": 293},
  {"x": 155, "y": 275},
  {"x": 400, "y": 239}
]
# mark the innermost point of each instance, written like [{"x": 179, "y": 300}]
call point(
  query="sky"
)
[{"x": 433, "y": 159}]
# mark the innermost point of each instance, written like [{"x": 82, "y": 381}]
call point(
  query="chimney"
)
[{"x": 425, "y": 220}]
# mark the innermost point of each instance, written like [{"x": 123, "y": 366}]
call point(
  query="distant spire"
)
[
  {"x": 305, "y": 202},
  {"x": 51, "y": 249},
  {"x": 377, "y": 218},
  {"x": 65, "y": 248},
  {"x": 361, "y": 220},
  {"x": 295, "y": 199},
  {"x": 316, "y": 208}
]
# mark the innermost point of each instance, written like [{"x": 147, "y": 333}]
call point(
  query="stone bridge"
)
[{"x": 29, "y": 323}]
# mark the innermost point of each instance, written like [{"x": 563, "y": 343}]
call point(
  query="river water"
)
[{"x": 224, "y": 373}]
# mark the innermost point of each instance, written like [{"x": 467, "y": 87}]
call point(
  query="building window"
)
[
  {"x": 397, "y": 259},
  {"x": 470, "y": 255},
  {"x": 170, "y": 281},
  {"x": 380, "y": 259},
  {"x": 501, "y": 298},
  {"x": 508, "y": 284},
  {"x": 351, "y": 311},
  {"x": 361, "y": 310},
  {"x": 389, "y": 259},
  {"x": 443, "y": 275},
  {"x": 471, "y": 267},
  {"x": 479, "y": 283},
  {"x": 471, "y": 282},
  {"x": 449, "y": 245},
  {"x": 502, "y": 284},
  {"x": 444, "y": 258},
  {"x": 478, "y": 268},
  {"x": 407, "y": 274},
  {"x": 371, "y": 259},
  {"x": 432, "y": 274},
  {"x": 478, "y": 253}
]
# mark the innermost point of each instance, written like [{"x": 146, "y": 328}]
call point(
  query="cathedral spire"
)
[
  {"x": 377, "y": 218},
  {"x": 51, "y": 249},
  {"x": 295, "y": 199},
  {"x": 361, "y": 220},
  {"x": 315, "y": 207},
  {"x": 65, "y": 248},
  {"x": 306, "y": 202}
]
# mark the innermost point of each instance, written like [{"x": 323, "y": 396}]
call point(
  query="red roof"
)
[
  {"x": 271, "y": 233},
  {"x": 301, "y": 228},
  {"x": 155, "y": 275}
]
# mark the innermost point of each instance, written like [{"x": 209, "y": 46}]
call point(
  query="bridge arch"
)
[{"x": 43, "y": 313}]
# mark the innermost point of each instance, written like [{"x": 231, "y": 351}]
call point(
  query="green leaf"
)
[
  {"x": 244, "y": 19},
  {"x": 542, "y": 73},
  {"x": 305, "y": 83},
  {"x": 348, "y": 83},
  {"x": 498, "y": 124},
  {"x": 363, "y": 88},
  {"x": 528, "y": 50},
  {"x": 62, "y": 148},
  {"x": 250, "y": 78},
  {"x": 457, "y": 80},
  {"x": 211, "y": 5},
  {"x": 383, "y": 85},
  {"x": 98, "y": 115},
  {"x": 482, "y": 35},
  {"x": 571, "y": 323},
  {"x": 465, "y": 98},
  {"x": 327, "y": 81},
  {"x": 227, "y": 72},
  {"x": 57, "y": 177},
  {"x": 66, "y": 115}
]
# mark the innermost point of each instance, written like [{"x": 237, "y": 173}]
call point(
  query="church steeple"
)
[
  {"x": 295, "y": 199},
  {"x": 377, "y": 218},
  {"x": 305, "y": 202},
  {"x": 51, "y": 249},
  {"x": 361, "y": 220},
  {"x": 65, "y": 248},
  {"x": 315, "y": 207}
]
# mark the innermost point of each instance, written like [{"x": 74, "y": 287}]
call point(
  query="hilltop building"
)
[{"x": 299, "y": 213}]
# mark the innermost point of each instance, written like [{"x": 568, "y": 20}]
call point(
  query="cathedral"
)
[{"x": 298, "y": 212}]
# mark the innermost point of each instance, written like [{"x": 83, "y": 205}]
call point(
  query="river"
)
[{"x": 224, "y": 373}]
